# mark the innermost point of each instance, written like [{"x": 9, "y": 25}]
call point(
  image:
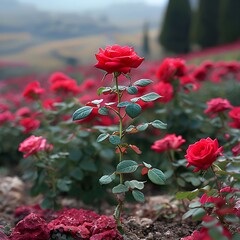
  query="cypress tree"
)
[
  {"x": 174, "y": 36},
  {"x": 229, "y": 21},
  {"x": 145, "y": 47},
  {"x": 207, "y": 23}
]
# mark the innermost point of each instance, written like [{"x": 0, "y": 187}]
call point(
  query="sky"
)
[{"x": 81, "y": 5}]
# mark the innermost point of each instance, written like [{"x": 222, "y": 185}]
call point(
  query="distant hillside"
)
[
  {"x": 21, "y": 17},
  {"x": 132, "y": 14}
]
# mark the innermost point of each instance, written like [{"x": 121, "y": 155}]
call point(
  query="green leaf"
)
[
  {"x": 138, "y": 196},
  {"x": 135, "y": 99},
  {"x": 96, "y": 102},
  {"x": 156, "y": 176},
  {"x": 189, "y": 195},
  {"x": 147, "y": 165},
  {"x": 199, "y": 214},
  {"x": 75, "y": 155},
  {"x": 64, "y": 184},
  {"x": 82, "y": 113},
  {"x": 132, "y": 90},
  {"x": 88, "y": 165},
  {"x": 195, "y": 205},
  {"x": 100, "y": 90},
  {"x": 127, "y": 166},
  {"x": 134, "y": 184},
  {"x": 130, "y": 128},
  {"x": 150, "y": 97},
  {"x": 182, "y": 195},
  {"x": 189, "y": 213},
  {"x": 236, "y": 236},
  {"x": 106, "y": 179},
  {"x": 217, "y": 233},
  {"x": 77, "y": 173},
  {"x": 159, "y": 124},
  {"x": 133, "y": 110},
  {"x": 123, "y": 104},
  {"x": 120, "y": 189},
  {"x": 103, "y": 111},
  {"x": 47, "y": 203},
  {"x": 210, "y": 224},
  {"x": 142, "y": 82},
  {"x": 102, "y": 137},
  {"x": 181, "y": 182},
  {"x": 142, "y": 127},
  {"x": 115, "y": 140}
]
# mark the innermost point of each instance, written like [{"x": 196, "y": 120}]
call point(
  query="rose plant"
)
[{"x": 120, "y": 60}]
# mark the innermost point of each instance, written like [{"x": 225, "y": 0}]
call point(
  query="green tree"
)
[
  {"x": 145, "y": 47},
  {"x": 229, "y": 21},
  {"x": 207, "y": 23},
  {"x": 174, "y": 36}
]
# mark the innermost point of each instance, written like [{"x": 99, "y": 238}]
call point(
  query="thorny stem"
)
[
  {"x": 118, "y": 210},
  {"x": 170, "y": 154},
  {"x": 218, "y": 184}
]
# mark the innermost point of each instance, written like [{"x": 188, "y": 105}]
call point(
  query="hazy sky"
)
[{"x": 81, "y": 5}]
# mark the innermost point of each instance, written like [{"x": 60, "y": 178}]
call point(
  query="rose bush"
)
[{"x": 188, "y": 93}]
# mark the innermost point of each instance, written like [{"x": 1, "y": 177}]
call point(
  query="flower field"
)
[{"x": 119, "y": 133}]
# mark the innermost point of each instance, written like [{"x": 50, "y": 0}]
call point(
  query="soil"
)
[{"x": 159, "y": 218}]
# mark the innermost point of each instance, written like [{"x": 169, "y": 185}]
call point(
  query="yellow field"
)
[{"x": 43, "y": 56}]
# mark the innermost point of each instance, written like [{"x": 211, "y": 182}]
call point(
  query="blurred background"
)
[{"x": 48, "y": 35}]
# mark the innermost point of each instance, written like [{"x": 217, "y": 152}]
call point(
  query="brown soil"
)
[{"x": 160, "y": 217}]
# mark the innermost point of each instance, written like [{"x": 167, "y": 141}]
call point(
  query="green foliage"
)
[
  {"x": 82, "y": 113},
  {"x": 229, "y": 21},
  {"x": 207, "y": 23},
  {"x": 174, "y": 36}
]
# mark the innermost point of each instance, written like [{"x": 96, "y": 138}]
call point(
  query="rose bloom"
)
[
  {"x": 165, "y": 90},
  {"x": 33, "y": 145},
  {"x": 33, "y": 91},
  {"x": 204, "y": 235},
  {"x": 117, "y": 59},
  {"x": 203, "y": 153},
  {"x": 6, "y": 117},
  {"x": 29, "y": 124},
  {"x": 58, "y": 76},
  {"x": 188, "y": 80},
  {"x": 170, "y": 68},
  {"x": 236, "y": 150},
  {"x": 169, "y": 142},
  {"x": 234, "y": 114},
  {"x": 217, "y": 105},
  {"x": 65, "y": 86}
]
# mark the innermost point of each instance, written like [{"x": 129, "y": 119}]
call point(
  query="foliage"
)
[
  {"x": 197, "y": 103},
  {"x": 207, "y": 23},
  {"x": 229, "y": 21},
  {"x": 174, "y": 36}
]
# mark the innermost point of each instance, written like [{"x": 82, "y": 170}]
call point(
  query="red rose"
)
[
  {"x": 33, "y": 91},
  {"x": 65, "y": 86},
  {"x": 33, "y": 145},
  {"x": 170, "y": 68},
  {"x": 6, "y": 116},
  {"x": 29, "y": 124},
  {"x": 203, "y": 153},
  {"x": 170, "y": 141},
  {"x": 58, "y": 76},
  {"x": 236, "y": 150},
  {"x": 165, "y": 90},
  {"x": 117, "y": 59},
  {"x": 217, "y": 105},
  {"x": 234, "y": 114}
]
